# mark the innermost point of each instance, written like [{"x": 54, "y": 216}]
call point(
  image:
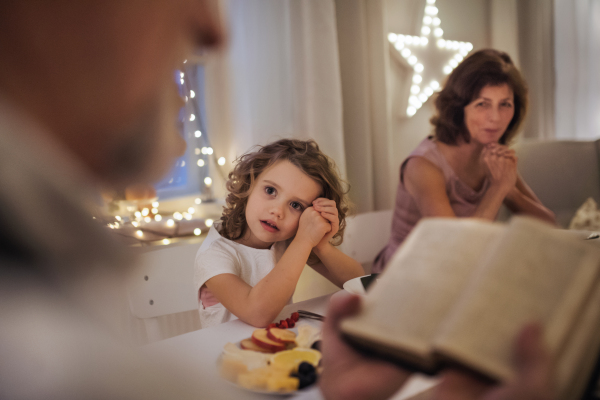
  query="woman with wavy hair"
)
[
  {"x": 466, "y": 168},
  {"x": 286, "y": 206}
]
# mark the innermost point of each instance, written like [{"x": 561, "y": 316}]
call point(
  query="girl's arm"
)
[
  {"x": 522, "y": 200},
  {"x": 260, "y": 305},
  {"x": 336, "y": 266}
]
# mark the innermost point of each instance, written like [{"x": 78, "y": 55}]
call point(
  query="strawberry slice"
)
[{"x": 295, "y": 316}]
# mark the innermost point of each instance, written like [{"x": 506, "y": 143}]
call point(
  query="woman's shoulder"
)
[{"x": 425, "y": 159}]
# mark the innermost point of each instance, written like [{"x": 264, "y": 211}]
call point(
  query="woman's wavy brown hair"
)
[
  {"x": 305, "y": 155},
  {"x": 482, "y": 68}
]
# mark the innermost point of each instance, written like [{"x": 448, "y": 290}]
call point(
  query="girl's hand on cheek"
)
[
  {"x": 329, "y": 211},
  {"x": 312, "y": 227}
]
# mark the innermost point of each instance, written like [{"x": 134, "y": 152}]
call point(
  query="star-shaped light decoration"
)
[{"x": 431, "y": 60}]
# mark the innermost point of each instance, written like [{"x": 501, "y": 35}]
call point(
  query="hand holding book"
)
[
  {"x": 349, "y": 375},
  {"x": 459, "y": 290}
]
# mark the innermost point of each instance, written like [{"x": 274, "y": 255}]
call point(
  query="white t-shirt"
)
[{"x": 219, "y": 255}]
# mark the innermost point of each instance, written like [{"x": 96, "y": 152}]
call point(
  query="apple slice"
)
[
  {"x": 281, "y": 335},
  {"x": 248, "y": 344},
  {"x": 259, "y": 337}
]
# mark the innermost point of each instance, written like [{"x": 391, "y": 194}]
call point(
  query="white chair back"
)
[
  {"x": 162, "y": 284},
  {"x": 366, "y": 234}
]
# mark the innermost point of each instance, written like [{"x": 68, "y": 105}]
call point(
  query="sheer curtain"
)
[
  {"x": 281, "y": 74},
  {"x": 577, "y": 58}
]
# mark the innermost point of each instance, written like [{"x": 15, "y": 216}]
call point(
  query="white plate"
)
[
  {"x": 220, "y": 359},
  {"x": 355, "y": 286}
]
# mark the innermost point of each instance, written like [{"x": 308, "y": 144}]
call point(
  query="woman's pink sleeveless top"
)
[{"x": 463, "y": 200}]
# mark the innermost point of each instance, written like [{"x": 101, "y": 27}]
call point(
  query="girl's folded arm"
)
[
  {"x": 336, "y": 266},
  {"x": 260, "y": 305}
]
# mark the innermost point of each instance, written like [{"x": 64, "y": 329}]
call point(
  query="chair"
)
[
  {"x": 562, "y": 173},
  {"x": 366, "y": 234},
  {"x": 161, "y": 292}
]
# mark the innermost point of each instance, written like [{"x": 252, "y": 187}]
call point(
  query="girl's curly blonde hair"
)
[{"x": 304, "y": 154}]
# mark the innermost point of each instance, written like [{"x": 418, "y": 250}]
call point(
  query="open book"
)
[{"x": 458, "y": 291}]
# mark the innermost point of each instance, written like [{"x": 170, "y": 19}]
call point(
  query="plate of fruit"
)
[{"x": 273, "y": 360}]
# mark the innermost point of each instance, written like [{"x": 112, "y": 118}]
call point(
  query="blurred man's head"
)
[{"x": 99, "y": 75}]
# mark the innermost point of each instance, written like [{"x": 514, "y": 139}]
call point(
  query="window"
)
[{"x": 192, "y": 173}]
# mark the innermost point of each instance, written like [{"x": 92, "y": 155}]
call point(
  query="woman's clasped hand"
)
[{"x": 501, "y": 163}]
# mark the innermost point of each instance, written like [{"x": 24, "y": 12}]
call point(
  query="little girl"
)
[{"x": 286, "y": 206}]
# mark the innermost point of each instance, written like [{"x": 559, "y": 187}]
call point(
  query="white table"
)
[{"x": 201, "y": 349}]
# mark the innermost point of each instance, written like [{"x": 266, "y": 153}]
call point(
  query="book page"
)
[
  {"x": 405, "y": 307},
  {"x": 534, "y": 274},
  {"x": 578, "y": 356}
]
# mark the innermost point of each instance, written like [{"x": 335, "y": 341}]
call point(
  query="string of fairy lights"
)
[{"x": 145, "y": 221}]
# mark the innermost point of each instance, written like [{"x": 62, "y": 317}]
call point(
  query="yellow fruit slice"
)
[{"x": 289, "y": 360}]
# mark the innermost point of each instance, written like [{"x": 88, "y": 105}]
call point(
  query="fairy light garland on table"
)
[
  {"x": 150, "y": 226},
  {"x": 430, "y": 56}
]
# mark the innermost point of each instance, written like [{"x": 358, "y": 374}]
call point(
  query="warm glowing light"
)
[
  {"x": 412, "y": 60},
  {"x": 415, "y": 89},
  {"x": 419, "y": 67},
  {"x": 435, "y": 85},
  {"x": 197, "y": 151},
  {"x": 423, "y": 97},
  {"x": 201, "y": 163},
  {"x": 139, "y": 233},
  {"x": 197, "y": 231},
  {"x": 447, "y": 69},
  {"x": 405, "y": 53},
  {"x": 208, "y": 222},
  {"x": 399, "y": 45},
  {"x": 198, "y": 200},
  {"x": 430, "y": 1},
  {"x": 182, "y": 164},
  {"x": 427, "y": 20},
  {"x": 145, "y": 212},
  {"x": 410, "y": 111},
  {"x": 177, "y": 215},
  {"x": 187, "y": 216},
  {"x": 453, "y": 63},
  {"x": 428, "y": 91},
  {"x": 417, "y": 78},
  {"x": 138, "y": 214},
  {"x": 209, "y": 150},
  {"x": 438, "y": 32},
  {"x": 208, "y": 181},
  {"x": 192, "y": 94},
  {"x": 221, "y": 161},
  {"x": 436, "y": 21},
  {"x": 135, "y": 224},
  {"x": 118, "y": 218},
  {"x": 197, "y": 133},
  {"x": 158, "y": 217},
  {"x": 392, "y": 37},
  {"x": 441, "y": 43},
  {"x": 425, "y": 30},
  {"x": 147, "y": 220},
  {"x": 155, "y": 204},
  {"x": 192, "y": 117},
  {"x": 170, "y": 223},
  {"x": 166, "y": 241}
]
